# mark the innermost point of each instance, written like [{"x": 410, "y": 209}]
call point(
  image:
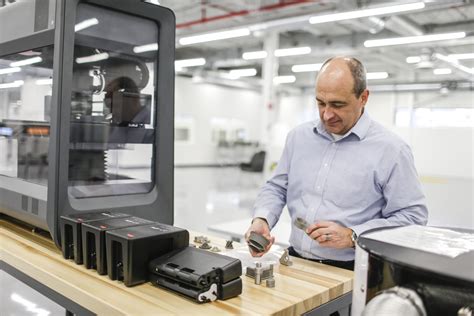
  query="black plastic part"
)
[
  {"x": 192, "y": 271},
  {"x": 229, "y": 289},
  {"x": 71, "y": 232},
  {"x": 130, "y": 249},
  {"x": 93, "y": 240}
]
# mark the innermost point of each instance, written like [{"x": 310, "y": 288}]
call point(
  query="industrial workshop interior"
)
[{"x": 222, "y": 157}]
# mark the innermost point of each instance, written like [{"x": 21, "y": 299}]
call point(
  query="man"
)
[{"x": 343, "y": 174}]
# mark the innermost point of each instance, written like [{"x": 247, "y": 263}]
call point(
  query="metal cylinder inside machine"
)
[{"x": 414, "y": 270}]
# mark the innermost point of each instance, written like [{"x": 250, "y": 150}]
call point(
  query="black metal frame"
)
[
  {"x": 343, "y": 301},
  {"x": 157, "y": 205},
  {"x": 70, "y": 306}
]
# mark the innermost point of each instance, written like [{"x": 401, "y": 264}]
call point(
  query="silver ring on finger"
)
[{"x": 327, "y": 237}]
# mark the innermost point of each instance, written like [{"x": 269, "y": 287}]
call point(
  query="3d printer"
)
[{"x": 86, "y": 110}]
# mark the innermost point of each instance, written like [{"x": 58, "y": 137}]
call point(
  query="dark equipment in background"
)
[
  {"x": 256, "y": 164},
  {"x": 89, "y": 112}
]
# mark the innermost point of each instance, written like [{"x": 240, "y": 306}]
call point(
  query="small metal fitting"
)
[
  {"x": 270, "y": 282},
  {"x": 205, "y": 245},
  {"x": 215, "y": 249},
  {"x": 285, "y": 258},
  {"x": 258, "y": 273},
  {"x": 228, "y": 244}
]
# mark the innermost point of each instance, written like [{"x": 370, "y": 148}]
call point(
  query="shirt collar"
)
[{"x": 359, "y": 129}]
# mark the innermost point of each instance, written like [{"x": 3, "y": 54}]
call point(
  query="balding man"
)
[{"x": 343, "y": 174}]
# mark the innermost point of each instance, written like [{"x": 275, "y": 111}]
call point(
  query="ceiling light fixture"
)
[
  {"x": 442, "y": 71},
  {"x": 366, "y": 13},
  {"x": 462, "y": 56},
  {"x": 85, "y": 24},
  {"x": 455, "y": 63},
  {"x": 377, "y": 75},
  {"x": 292, "y": 51},
  {"x": 413, "y": 59},
  {"x": 15, "y": 84},
  {"x": 245, "y": 72},
  {"x": 25, "y": 62},
  {"x": 254, "y": 55},
  {"x": 9, "y": 70},
  {"x": 306, "y": 67},
  {"x": 145, "y": 48},
  {"x": 414, "y": 39},
  {"x": 284, "y": 79},
  {"x": 189, "y": 62},
  {"x": 209, "y": 37},
  {"x": 92, "y": 58},
  {"x": 44, "y": 82}
]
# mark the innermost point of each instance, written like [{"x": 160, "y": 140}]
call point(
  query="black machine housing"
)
[
  {"x": 108, "y": 97},
  {"x": 388, "y": 276},
  {"x": 198, "y": 274}
]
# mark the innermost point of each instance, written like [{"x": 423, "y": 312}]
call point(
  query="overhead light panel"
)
[
  {"x": 292, "y": 51},
  {"x": 455, "y": 63},
  {"x": 25, "y": 62},
  {"x": 209, "y": 37},
  {"x": 442, "y": 71},
  {"x": 9, "y": 70},
  {"x": 254, "y": 55},
  {"x": 44, "y": 82},
  {"x": 14, "y": 84},
  {"x": 85, "y": 24},
  {"x": 413, "y": 59},
  {"x": 246, "y": 72},
  {"x": 145, "y": 48},
  {"x": 366, "y": 13},
  {"x": 284, "y": 79},
  {"x": 306, "y": 67},
  {"x": 377, "y": 75},
  {"x": 189, "y": 62},
  {"x": 92, "y": 58},
  {"x": 462, "y": 56},
  {"x": 414, "y": 39}
]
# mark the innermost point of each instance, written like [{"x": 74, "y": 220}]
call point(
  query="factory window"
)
[{"x": 435, "y": 117}]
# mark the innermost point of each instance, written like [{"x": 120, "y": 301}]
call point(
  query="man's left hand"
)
[{"x": 331, "y": 235}]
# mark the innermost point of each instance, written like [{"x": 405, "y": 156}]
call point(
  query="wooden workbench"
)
[{"x": 301, "y": 287}]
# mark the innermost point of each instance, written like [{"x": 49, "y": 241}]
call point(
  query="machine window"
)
[{"x": 113, "y": 106}]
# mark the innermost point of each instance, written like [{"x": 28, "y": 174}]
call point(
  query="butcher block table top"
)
[{"x": 299, "y": 288}]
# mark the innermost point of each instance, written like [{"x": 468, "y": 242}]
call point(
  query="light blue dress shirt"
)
[{"x": 364, "y": 180}]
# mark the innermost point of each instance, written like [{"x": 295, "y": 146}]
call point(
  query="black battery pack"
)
[
  {"x": 93, "y": 240},
  {"x": 130, "y": 249},
  {"x": 71, "y": 232},
  {"x": 198, "y": 274}
]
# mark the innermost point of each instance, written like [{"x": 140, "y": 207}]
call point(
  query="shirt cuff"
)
[{"x": 268, "y": 216}]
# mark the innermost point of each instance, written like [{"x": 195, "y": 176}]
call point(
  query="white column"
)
[{"x": 269, "y": 71}]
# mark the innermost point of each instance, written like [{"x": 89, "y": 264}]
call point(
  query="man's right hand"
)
[{"x": 260, "y": 226}]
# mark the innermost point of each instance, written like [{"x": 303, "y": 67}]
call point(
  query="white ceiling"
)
[{"x": 326, "y": 40}]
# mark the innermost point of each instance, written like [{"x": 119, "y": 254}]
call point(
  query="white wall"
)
[{"x": 202, "y": 102}]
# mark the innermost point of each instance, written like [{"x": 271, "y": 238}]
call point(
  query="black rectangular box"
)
[
  {"x": 71, "y": 232},
  {"x": 93, "y": 239},
  {"x": 198, "y": 274},
  {"x": 130, "y": 249}
]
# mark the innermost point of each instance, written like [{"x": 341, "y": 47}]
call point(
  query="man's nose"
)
[{"x": 328, "y": 114}]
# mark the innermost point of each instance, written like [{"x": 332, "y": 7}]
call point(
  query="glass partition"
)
[
  {"x": 25, "y": 103},
  {"x": 113, "y": 104}
]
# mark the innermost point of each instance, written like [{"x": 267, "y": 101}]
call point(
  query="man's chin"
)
[{"x": 333, "y": 129}]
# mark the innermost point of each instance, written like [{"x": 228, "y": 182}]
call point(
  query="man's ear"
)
[{"x": 364, "y": 97}]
